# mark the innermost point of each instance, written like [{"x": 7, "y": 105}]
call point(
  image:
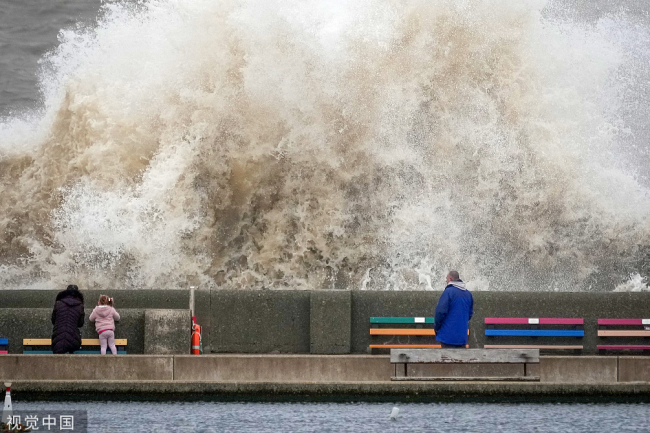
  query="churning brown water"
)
[{"x": 372, "y": 144}]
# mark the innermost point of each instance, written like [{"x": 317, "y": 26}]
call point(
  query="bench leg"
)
[{"x": 401, "y": 370}]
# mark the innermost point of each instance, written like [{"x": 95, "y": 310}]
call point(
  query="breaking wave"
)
[{"x": 301, "y": 144}]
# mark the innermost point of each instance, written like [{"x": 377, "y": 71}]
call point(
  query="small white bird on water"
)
[{"x": 394, "y": 413}]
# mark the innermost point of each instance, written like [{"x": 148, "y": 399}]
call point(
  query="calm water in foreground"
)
[{"x": 355, "y": 417}]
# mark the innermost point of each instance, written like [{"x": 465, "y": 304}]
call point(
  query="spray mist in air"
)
[{"x": 328, "y": 145}]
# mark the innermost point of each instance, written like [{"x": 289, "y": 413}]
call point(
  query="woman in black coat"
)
[{"x": 67, "y": 318}]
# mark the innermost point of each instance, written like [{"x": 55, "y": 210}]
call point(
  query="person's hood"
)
[
  {"x": 71, "y": 295},
  {"x": 458, "y": 284},
  {"x": 71, "y": 301},
  {"x": 103, "y": 311}
]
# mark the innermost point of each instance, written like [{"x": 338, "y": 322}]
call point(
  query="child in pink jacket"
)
[{"x": 104, "y": 316}]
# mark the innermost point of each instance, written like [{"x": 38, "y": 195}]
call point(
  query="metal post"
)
[{"x": 192, "y": 300}]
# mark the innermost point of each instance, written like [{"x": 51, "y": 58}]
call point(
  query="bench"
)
[
  {"x": 4, "y": 346},
  {"x": 424, "y": 336},
  {"x": 624, "y": 328},
  {"x": 402, "y": 358},
  {"x": 532, "y": 330},
  {"x": 34, "y": 346}
]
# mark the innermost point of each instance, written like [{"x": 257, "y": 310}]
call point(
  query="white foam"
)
[
  {"x": 635, "y": 283},
  {"x": 301, "y": 144}
]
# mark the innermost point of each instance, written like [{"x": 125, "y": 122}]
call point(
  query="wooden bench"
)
[
  {"x": 34, "y": 346},
  {"x": 462, "y": 356},
  {"x": 624, "y": 328},
  {"x": 424, "y": 336},
  {"x": 4, "y": 346},
  {"x": 533, "y": 330}
]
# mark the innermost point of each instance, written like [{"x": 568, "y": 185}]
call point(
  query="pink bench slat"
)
[
  {"x": 524, "y": 321},
  {"x": 620, "y": 321},
  {"x": 3, "y": 352},
  {"x": 623, "y": 347}
]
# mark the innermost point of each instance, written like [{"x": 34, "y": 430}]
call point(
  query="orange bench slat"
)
[
  {"x": 622, "y": 333},
  {"x": 405, "y": 346},
  {"x": 402, "y": 331}
]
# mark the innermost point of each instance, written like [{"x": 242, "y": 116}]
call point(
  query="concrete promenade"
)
[{"x": 311, "y": 376}]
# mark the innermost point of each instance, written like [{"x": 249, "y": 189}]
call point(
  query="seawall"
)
[
  {"x": 305, "y": 375},
  {"x": 316, "y": 322}
]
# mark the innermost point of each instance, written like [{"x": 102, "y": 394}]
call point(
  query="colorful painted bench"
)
[
  {"x": 625, "y": 328},
  {"x": 532, "y": 330},
  {"x": 424, "y": 336},
  {"x": 35, "y": 346},
  {"x": 4, "y": 346}
]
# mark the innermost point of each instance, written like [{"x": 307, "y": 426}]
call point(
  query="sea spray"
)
[{"x": 310, "y": 145}]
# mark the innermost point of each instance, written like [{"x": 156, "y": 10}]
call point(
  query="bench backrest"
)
[
  {"x": 413, "y": 320},
  {"x": 624, "y": 322},
  {"x": 468, "y": 356},
  {"x": 637, "y": 333},
  {"x": 532, "y": 321},
  {"x": 535, "y": 332},
  {"x": 4, "y": 341},
  {"x": 84, "y": 342}
]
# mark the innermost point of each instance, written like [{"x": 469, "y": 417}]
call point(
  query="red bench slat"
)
[
  {"x": 530, "y": 346},
  {"x": 408, "y": 346},
  {"x": 620, "y": 322},
  {"x": 525, "y": 321}
]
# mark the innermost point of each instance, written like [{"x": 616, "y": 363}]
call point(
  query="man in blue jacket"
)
[{"x": 455, "y": 308}]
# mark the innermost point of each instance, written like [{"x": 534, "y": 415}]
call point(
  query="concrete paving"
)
[
  {"x": 283, "y": 368},
  {"x": 579, "y": 369},
  {"x": 634, "y": 369},
  {"x": 86, "y": 367},
  {"x": 310, "y": 375}
]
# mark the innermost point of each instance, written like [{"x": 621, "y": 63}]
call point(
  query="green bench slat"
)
[{"x": 401, "y": 320}]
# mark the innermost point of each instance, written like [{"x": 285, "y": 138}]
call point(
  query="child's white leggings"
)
[{"x": 107, "y": 338}]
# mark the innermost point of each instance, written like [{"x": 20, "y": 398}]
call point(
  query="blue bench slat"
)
[
  {"x": 533, "y": 333},
  {"x": 78, "y": 352},
  {"x": 4, "y": 341}
]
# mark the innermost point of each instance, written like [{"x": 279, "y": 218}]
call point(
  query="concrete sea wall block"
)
[
  {"x": 330, "y": 322},
  {"x": 167, "y": 332}
]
